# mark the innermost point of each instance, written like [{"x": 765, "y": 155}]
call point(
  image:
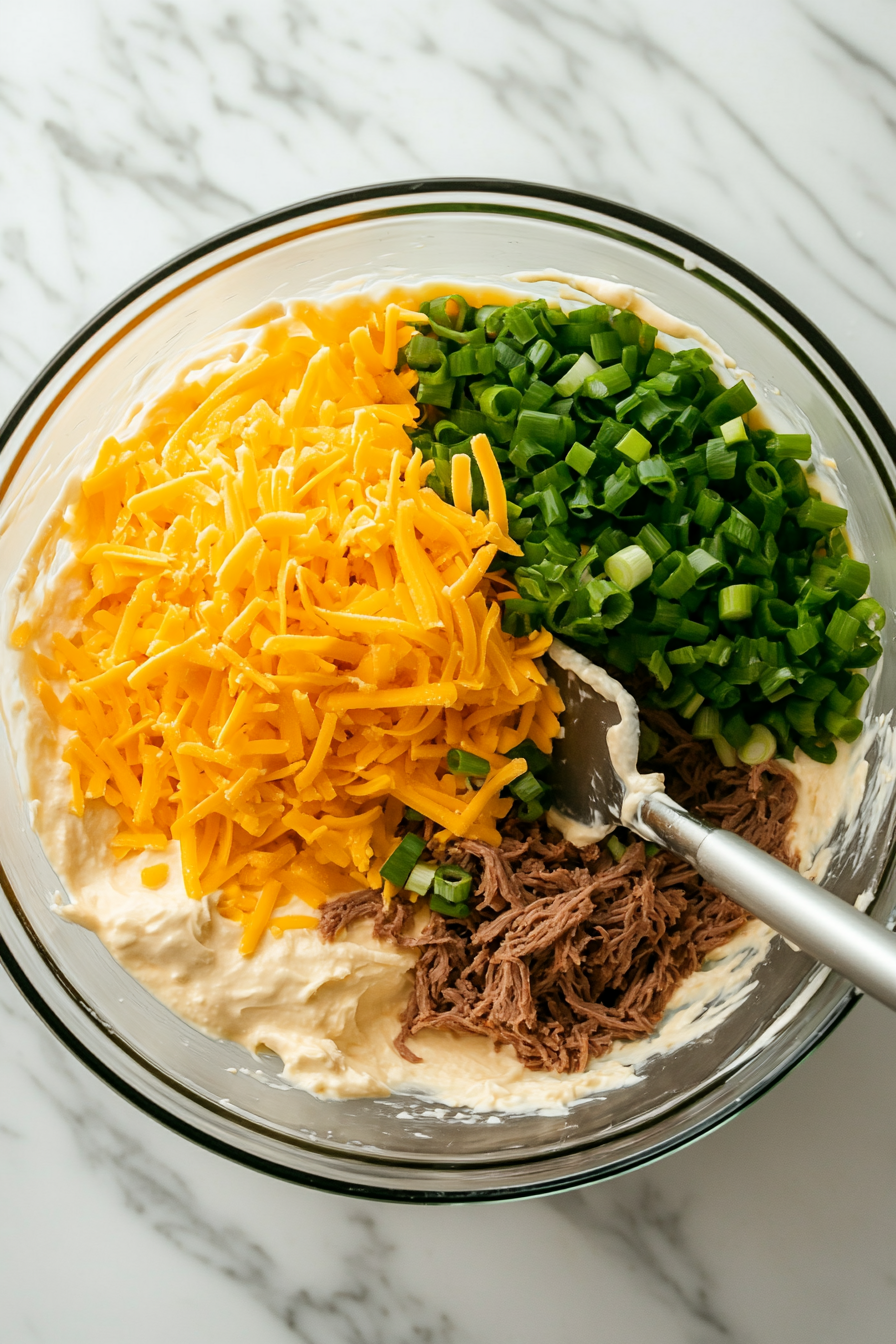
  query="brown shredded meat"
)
[{"x": 566, "y": 951}]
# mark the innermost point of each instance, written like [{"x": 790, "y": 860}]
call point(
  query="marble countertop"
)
[{"x": 133, "y": 128}]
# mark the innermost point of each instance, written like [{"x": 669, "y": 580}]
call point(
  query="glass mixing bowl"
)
[{"x": 404, "y": 1148}]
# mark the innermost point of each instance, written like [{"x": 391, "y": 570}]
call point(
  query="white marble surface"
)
[{"x": 131, "y": 129}]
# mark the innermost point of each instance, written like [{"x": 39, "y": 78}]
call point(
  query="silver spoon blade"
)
[{"x": 586, "y": 787}]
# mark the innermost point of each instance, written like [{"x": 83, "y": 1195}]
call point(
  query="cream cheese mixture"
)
[{"x": 330, "y": 1011}]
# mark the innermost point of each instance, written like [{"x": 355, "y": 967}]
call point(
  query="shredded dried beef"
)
[{"x": 566, "y": 951}]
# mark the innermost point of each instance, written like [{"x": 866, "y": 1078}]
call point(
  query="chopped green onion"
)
[
  {"x": 820, "y": 517},
  {"x": 686, "y": 656},
  {"x": 801, "y": 714},
  {"x": 558, "y": 475},
  {"x": 583, "y": 501},
  {"x": 606, "y": 346},
  {"x": 500, "y": 403},
  {"x": 452, "y": 883},
  {"x": 709, "y": 507},
  {"x": 736, "y": 731},
  {"x": 594, "y": 312},
  {"x": 789, "y": 446},
  {"x": 842, "y": 630},
  {"x": 607, "y": 600},
  {"x": 690, "y": 707},
  {"x": 536, "y": 396},
  {"x": 535, "y": 758},
  {"x": 721, "y": 650},
  {"x": 855, "y": 687},
  {"x": 734, "y": 401},
  {"x": 486, "y": 360},
  {"x": 759, "y": 747},
  {"x": 617, "y": 849},
  {"x": 550, "y": 502},
  {"x": 610, "y": 540},
  {"x": 648, "y": 743},
  {"x": 435, "y": 391},
  {"x": 733, "y": 431},
  {"x": 658, "y": 362},
  {"x": 629, "y": 567},
  {"x": 508, "y": 357},
  {"x": 814, "y": 687},
  {"x": 581, "y": 459},
  {"x": 607, "y": 382},
  {"x": 411, "y": 814},
  {"x": 725, "y": 752},
  {"x": 694, "y": 463},
  {"x": 774, "y": 617},
  {"x": 465, "y": 763},
  {"x": 438, "y": 313},
  {"x": 869, "y": 613},
  {"x": 527, "y": 456},
  {"x": 448, "y": 908},
  {"x": 527, "y": 788},
  {"x": 629, "y": 360},
  {"x": 421, "y": 878},
  {"x": 572, "y": 380},
  {"x": 657, "y": 475},
  {"x": 628, "y": 325},
  {"x": 673, "y": 576},
  {"x": 462, "y": 362},
  {"x": 737, "y": 601},
  {"x": 708, "y": 724},
  {"x": 398, "y": 866},
  {"x": 775, "y": 683},
  {"x": 619, "y": 489},
  {"x": 530, "y": 811},
  {"x": 543, "y": 428},
  {"x": 540, "y": 354},
  {"x": 847, "y": 729},
  {"x": 706, "y": 567},
  {"x": 738, "y": 528},
  {"x": 646, "y": 338},
  {"x": 588, "y": 419},
  {"x": 695, "y": 631},
  {"x": 839, "y": 704},
  {"x": 653, "y": 542},
  {"x": 764, "y": 482},
  {"x": 805, "y": 637},
  {"x": 660, "y": 669},
  {"x": 825, "y": 754},
  {"x": 520, "y": 325},
  {"x": 422, "y": 352},
  {"x": 852, "y": 577}
]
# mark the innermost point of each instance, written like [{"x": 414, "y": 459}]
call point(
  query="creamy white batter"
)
[{"x": 328, "y": 1010}]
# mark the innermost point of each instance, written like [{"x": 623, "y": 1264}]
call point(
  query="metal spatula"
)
[{"x": 587, "y": 788}]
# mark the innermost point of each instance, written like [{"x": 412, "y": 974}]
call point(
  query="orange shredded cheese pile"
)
[{"x": 285, "y": 629}]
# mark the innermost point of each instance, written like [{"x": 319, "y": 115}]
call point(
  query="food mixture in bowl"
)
[{"x": 278, "y": 683}]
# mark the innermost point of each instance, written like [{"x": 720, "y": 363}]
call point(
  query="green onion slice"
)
[
  {"x": 759, "y": 747},
  {"x": 397, "y": 868},
  {"x": 629, "y": 567},
  {"x": 465, "y": 763},
  {"x": 452, "y": 883},
  {"x": 421, "y": 878}
]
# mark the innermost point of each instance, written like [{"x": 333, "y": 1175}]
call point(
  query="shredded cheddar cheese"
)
[
  {"x": 285, "y": 629},
  {"x": 155, "y": 876}
]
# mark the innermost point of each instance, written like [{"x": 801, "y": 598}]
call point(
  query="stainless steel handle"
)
[{"x": 819, "y": 923}]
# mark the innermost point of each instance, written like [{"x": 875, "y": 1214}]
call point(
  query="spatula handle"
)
[{"x": 819, "y": 923}]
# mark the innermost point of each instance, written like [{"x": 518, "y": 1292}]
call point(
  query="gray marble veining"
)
[{"x": 131, "y": 129}]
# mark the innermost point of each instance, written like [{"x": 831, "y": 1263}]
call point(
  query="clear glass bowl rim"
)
[{"x": 549, "y": 195}]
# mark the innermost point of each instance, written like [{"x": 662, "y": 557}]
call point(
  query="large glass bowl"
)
[{"x": 404, "y": 1149}]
